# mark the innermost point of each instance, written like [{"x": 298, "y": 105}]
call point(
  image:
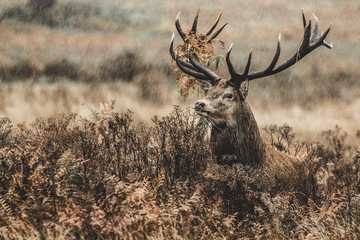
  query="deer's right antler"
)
[
  {"x": 195, "y": 68},
  {"x": 194, "y": 28}
]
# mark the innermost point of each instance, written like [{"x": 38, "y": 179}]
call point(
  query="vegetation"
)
[
  {"x": 107, "y": 176},
  {"x": 40, "y": 5},
  {"x": 70, "y": 177}
]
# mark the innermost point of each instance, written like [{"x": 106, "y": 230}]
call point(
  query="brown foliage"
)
[
  {"x": 70, "y": 177},
  {"x": 70, "y": 171}
]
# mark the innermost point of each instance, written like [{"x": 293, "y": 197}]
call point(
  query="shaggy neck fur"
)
[{"x": 242, "y": 139}]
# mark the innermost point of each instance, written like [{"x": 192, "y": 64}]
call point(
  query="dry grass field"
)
[{"x": 61, "y": 69}]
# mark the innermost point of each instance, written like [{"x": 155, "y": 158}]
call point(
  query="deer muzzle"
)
[{"x": 200, "y": 108}]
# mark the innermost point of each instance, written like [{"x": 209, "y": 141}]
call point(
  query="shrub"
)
[
  {"x": 5, "y": 130},
  {"x": 21, "y": 70},
  {"x": 280, "y": 137},
  {"x": 151, "y": 86},
  {"x": 62, "y": 68},
  {"x": 41, "y": 5},
  {"x": 70, "y": 177},
  {"x": 128, "y": 67},
  {"x": 78, "y": 15},
  {"x": 125, "y": 66}
]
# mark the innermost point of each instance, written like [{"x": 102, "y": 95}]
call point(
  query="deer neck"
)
[{"x": 241, "y": 137}]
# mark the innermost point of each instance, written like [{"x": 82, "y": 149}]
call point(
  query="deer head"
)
[{"x": 226, "y": 98}]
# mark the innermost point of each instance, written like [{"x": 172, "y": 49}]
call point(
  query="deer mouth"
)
[{"x": 203, "y": 113}]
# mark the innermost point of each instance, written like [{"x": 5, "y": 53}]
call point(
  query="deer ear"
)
[{"x": 244, "y": 89}]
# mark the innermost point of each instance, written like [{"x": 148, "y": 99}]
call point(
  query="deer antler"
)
[
  {"x": 194, "y": 28},
  {"x": 195, "y": 68},
  {"x": 310, "y": 41}
]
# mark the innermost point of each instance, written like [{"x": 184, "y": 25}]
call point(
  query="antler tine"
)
[
  {"x": 214, "y": 25},
  {"x": 276, "y": 56},
  {"x": 232, "y": 71},
  {"x": 178, "y": 27},
  {"x": 303, "y": 18},
  {"x": 194, "y": 60},
  {"x": 308, "y": 44},
  {"x": 173, "y": 55},
  {"x": 216, "y": 33},
  {"x": 171, "y": 47},
  {"x": 315, "y": 33},
  {"x": 306, "y": 37},
  {"x": 322, "y": 39},
  {"x": 247, "y": 68},
  {"x": 194, "y": 26}
]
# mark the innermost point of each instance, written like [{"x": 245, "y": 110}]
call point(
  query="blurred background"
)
[{"x": 70, "y": 56}]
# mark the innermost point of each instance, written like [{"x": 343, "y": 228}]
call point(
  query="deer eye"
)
[
  {"x": 229, "y": 95},
  {"x": 215, "y": 96}
]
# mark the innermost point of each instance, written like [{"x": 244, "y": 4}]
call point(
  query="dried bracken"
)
[{"x": 69, "y": 177}]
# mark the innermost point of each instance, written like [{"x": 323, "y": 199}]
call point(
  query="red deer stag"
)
[{"x": 235, "y": 134}]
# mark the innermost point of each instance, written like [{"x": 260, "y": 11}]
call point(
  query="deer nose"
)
[{"x": 199, "y": 106}]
